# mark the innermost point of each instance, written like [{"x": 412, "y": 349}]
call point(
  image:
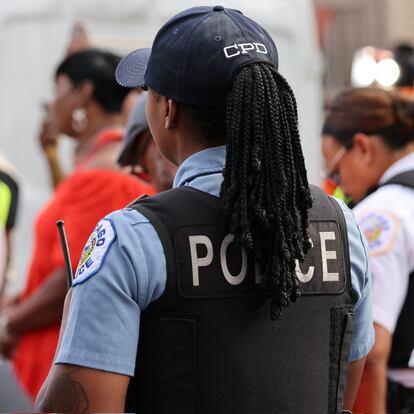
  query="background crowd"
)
[{"x": 367, "y": 144}]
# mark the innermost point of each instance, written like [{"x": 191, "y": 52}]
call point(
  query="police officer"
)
[
  {"x": 372, "y": 130},
  {"x": 140, "y": 153},
  {"x": 190, "y": 292}
]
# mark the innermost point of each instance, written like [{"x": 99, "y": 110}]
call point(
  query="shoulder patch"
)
[
  {"x": 380, "y": 228},
  {"x": 95, "y": 251}
]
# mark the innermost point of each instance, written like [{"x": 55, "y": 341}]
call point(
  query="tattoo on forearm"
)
[{"x": 69, "y": 395}]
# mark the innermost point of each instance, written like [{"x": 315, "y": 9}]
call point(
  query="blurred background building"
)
[
  {"x": 317, "y": 41},
  {"x": 346, "y": 26}
]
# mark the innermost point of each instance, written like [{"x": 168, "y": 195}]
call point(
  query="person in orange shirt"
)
[{"x": 86, "y": 107}]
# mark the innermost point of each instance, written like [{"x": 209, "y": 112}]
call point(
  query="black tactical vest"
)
[
  {"x": 403, "y": 338},
  {"x": 208, "y": 345}
]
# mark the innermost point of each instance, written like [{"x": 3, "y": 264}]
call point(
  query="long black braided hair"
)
[{"x": 265, "y": 189}]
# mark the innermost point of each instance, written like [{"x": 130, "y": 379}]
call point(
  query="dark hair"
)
[
  {"x": 97, "y": 66},
  {"x": 265, "y": 189},
  {"x": 372, "y": 111}
]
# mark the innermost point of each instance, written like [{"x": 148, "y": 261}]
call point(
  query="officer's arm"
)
[
  {"x": 77, "y": 389},
  {"x": 43, "y": 388},
  {"x": 354, "y": 378},
  {"x": 70, "y": 388},
  {"x": 372, "y": 394}
]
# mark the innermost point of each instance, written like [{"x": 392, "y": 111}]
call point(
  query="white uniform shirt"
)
[{"x": 387, "y": 219}]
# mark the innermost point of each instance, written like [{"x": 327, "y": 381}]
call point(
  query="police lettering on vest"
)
[{"x": 232, "y": 264}]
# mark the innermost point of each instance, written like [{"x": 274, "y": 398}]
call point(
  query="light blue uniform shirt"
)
[{"x": 129, "y": 272}]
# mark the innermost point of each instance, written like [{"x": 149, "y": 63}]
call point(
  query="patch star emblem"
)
[
  {"x": 380, "y": 228},
  {"x": 95, "y": 251}
]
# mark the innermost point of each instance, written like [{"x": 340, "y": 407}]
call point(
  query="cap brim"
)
[
  {"x": 131, "y": 69},
  {"x": 127, "y": 155}
]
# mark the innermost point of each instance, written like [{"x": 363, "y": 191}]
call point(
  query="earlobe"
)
[
  {"x": 168, "y": 124},
  {"x": 86, "y": 91},
  {"x": 170, "y": 118}
]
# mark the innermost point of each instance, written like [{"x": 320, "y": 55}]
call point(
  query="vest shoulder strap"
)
[{"x": 405, "y": 179}]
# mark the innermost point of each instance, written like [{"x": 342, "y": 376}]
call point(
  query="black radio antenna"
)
[{"x": 65, "y": 248}]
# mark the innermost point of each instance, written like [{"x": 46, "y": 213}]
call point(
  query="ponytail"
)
[{"x": 265, "y": 189}]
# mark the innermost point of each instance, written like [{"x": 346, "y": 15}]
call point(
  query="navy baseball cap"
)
[{"x": 196, "y": 53}]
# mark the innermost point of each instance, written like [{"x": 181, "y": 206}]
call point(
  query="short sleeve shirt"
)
[
  {"x": 102, "y": 331},
  {"x": 386, "y": 218}
]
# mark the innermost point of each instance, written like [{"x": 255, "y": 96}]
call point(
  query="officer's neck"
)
[{"x": 189, "y": 139}]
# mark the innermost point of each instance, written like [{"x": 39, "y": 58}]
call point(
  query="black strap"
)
[
  {"x": 405, "y": 179},
  {"x": 132, "y": 203},
  {"x": 343, "y": 363},
  {"x": 400, "y": 399},
  {"x": 341, "y": 375},
  {"x": 166, "y": 242},
  {"x": 345, "y": 241},
  {"x": 342, "y": 328}
]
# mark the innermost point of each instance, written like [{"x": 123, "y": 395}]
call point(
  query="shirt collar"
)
[
  {"x": 207, "y": 161},
  {"x": 405, "y": 163}
]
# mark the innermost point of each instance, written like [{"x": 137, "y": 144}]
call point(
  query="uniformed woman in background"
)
[
  {"x": 368, "y": 145},
  {"x": 165, "y": 296}
]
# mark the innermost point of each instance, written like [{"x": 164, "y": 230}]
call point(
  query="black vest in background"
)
[
  {"x": 403, "y": 337},
  {"x": 208, "y": 345}
]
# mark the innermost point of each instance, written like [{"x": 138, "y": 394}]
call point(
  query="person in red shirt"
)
[{"x": 86, "y": 107}]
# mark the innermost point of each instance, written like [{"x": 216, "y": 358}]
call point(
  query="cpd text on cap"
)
[{"x": 244, "y": 48}]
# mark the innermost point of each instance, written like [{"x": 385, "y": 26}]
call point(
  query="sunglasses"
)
[{"x": 330, "y": 172}]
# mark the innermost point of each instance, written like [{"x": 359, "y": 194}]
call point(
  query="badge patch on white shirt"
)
[
  {"x": 380, "y": 228},
  {"x": 95, "y": 251}
]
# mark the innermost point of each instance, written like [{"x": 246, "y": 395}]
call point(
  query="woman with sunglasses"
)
[{"x": 368, "y": 145}]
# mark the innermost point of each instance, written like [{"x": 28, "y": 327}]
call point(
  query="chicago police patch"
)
[
  {"x": 95, "y": 251},
  {"x": 380, "y": 228}
]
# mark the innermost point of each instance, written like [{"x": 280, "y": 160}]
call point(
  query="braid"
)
[{"x": 265, "y": 189}]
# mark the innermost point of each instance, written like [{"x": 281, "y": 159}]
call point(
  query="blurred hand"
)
[
  {"x": 8, "y": 301},
  {"x": 8, "y": 346},
  {"x": 48, "y": 133},
  {"x": 8, "y": 340},
  {"x": 80, "y": 39}
]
